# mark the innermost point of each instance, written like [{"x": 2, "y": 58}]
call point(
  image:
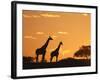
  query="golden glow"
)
[
  {"x": 73, "y": 29},
  {"x": 66, "y": 52}
]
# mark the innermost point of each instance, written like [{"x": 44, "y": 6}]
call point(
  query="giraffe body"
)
[
  {"x": 55, "y": 53},
  {"x": 42, "y": 50}
]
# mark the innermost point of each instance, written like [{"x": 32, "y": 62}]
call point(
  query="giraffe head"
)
[
  {"x": 61, "y": 43},
  {"x": 50, "y": 38}
]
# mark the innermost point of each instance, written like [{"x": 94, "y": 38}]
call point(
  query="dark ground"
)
[{"x": 69, "y": 62}]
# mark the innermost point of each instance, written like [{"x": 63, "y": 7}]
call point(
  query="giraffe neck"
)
[
  {"x": 46, "y": 44},
  {"x": 58, "y": 47}
]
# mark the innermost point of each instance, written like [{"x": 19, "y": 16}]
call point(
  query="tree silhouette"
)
[{"x": 84, "y": 51}]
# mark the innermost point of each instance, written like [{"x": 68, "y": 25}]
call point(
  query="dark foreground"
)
[{"x": 70, "y": 62}]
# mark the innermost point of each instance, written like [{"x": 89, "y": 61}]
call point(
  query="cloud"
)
[
  {"x": 62, "y": 32},
  {"x": 85, "y": 14},
  {"x": 42, "y": 15},
  {"x": 40, "y": 33},
  {"x": 50, "y": 15},
  {"x": 30, "y": 37},
  {"x": 27, "y": 16},
  {"x": 31, "y": 16},
  {"x": 54, "y": 37},
  {"x": 35, "y": 16}
]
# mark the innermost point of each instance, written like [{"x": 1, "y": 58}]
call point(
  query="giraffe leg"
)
[
  {"x": 51, "y": 59},
  {"x": 43, "y": 56},
  {"x": 56, "y": 58}
]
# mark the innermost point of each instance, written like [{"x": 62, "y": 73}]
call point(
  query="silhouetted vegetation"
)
[{"x": 84, "y": 51}]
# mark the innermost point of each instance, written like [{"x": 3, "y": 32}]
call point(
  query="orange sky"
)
[{"x": 73, "y": 29}]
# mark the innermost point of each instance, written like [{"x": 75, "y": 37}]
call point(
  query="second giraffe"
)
[{"x": 55, "y": 53}]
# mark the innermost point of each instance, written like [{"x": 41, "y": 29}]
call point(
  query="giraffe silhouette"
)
[
  {"x": 55, "y": 53},
  {"x": 42, "y": 50}
]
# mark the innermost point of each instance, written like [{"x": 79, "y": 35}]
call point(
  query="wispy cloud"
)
[
  {"x": 40, "y": 33},
  {"x": 50, "y": 15},
  {"x": 30, "y": 37},
  {"x": 60, "y": 32},
  {"x": 27, "y": 16},
  {"x": 31, "y": 16},
  {"x": 54, "y": 37},
  {"x": 41, "y": 15},
  {"x": 85, "y": 14},
  {"x": 35, "y": 16}
]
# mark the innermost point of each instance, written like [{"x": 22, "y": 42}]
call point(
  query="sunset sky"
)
[{"x": 73, "y": 29}]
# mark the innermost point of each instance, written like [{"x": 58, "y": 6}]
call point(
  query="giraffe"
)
[
  {"x": 55, "y": 53},
  {"x": 42, "y": 50}
]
